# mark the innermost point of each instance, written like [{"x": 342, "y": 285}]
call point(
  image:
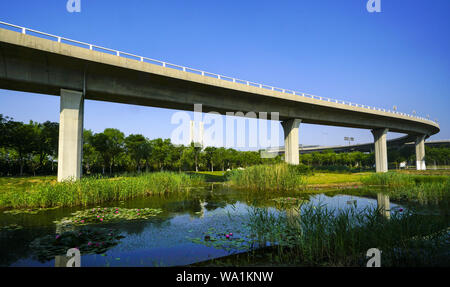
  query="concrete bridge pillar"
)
[
  {"x": 420, "y": 153},
  {"x": 381, "y": 159},
  {"x": 70, "y": 147},
  {"x": 291, "y": 152}
]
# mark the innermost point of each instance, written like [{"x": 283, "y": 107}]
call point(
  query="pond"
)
[{"x": 200, "y": 225}]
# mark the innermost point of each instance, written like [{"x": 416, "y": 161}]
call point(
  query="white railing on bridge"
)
[{"x": 60, "y": 39}]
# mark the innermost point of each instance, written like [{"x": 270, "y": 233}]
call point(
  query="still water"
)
[{"x": 167, "y": 239}]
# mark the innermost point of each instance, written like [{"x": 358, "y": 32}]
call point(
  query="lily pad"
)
[
  {"x": 28, "y": 210},
  {"x": 222, "y": 240},
  {"x": 108, "y": 214},
  {"x": 11, "y": 227}
]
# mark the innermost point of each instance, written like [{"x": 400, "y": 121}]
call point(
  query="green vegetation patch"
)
[
  {"x": 222, "y": 240},
  {"x": 11, "y": 227},
  {"x": 87, "y": 240},
  {"x": 409, "y": 187},
  {"x": 319, "y": 236},
  {"x": 90, "y": 190},
  {"x": 20, "y": 184},
  {"x": 320, "y": 178},
  {"x": 108, "y": 214},
  {"x": 28, "y": 210}
]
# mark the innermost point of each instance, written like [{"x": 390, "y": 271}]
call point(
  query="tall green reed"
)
[
  {"x": 98, "y": 190},
  {"x": 269, "y": 177},
  {"x": 318, "y": 236}
]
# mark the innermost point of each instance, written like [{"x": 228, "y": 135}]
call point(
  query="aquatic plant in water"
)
[
  {"x": 228, "y": 241},
  {"x": 320, "y": 236},
  {"x": 28, "y": 210},
  {"x": 87, "y": 240},
  {"x": 98, "y": 215},
  {"x": 11, "y": 227}
]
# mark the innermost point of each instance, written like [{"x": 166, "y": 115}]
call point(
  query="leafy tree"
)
[
  {"x": 138, "y": 148},
  {"x": 22, "y": 138},
  {"x": 109, "y": 144},
  {"x": 46, "y": 142}
]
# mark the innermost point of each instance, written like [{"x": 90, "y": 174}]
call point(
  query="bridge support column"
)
[
  {"x": 381, "y": 159},
  {"x": 420, "y": 153},
  {"x": 291, "y": 152},
  {"x": 70, "y": 147}
]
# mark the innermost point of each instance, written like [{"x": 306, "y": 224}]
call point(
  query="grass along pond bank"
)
[
  {"x": 44, "y": 192},
  {"x": 89, "y": 191},
  {"x": 425, "y": 189}
]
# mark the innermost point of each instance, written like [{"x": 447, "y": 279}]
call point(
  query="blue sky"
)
[{"x": 325, "y": 47}]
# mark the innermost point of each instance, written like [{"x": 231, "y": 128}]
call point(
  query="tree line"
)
[{"x": 32, "y": 148}]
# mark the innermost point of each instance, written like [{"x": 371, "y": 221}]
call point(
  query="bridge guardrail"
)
[{"x": 60, "y": 39}]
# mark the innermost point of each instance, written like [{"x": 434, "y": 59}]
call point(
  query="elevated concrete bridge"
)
[
  {"x": 363, "y": 147},
  {"x": 37, "y": 62}
]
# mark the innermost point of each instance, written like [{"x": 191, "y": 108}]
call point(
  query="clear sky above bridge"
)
[{"x": 399, "y": 57}]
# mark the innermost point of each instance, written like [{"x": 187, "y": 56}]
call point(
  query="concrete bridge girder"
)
[{"x": 37, "y": 65}]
